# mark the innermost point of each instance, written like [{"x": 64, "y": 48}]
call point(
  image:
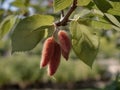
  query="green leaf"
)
[
  {"x": 49, "y": 29},
  {"x": 112, "y": 19},
  {"x": 87, "y": 17},
  {"x": 83, "y": 2},
  {"x": 82, "y": 14},
  {"x": 101, "y": 23},
  {"x": 116, "y": 8},
  {"x": 61, "y": 4},
  {"x": 85, "y": 44},
  {"x": 6, "y": 25},
  {"x": 18, "y": 3},
  {"x": 103, "y": 5},
  {"x": 114, "y": 12},
  {"x": 28, "y": 33},
  {"x": 116, "y": 28}
]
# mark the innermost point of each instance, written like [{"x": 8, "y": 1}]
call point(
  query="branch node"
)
[{"x": 65, "y": 19}]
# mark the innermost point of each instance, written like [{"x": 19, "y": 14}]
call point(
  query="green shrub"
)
[{"x": 24, "y": 68}]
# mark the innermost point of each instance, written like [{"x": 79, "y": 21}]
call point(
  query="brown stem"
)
[
  {"x": 62, "y": 13},
  {"x": 64, "y": 21}
]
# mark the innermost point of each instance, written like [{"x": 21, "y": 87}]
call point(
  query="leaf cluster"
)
[{"x": 83, "y": 18}]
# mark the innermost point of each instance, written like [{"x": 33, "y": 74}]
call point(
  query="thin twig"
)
[
  {"x": 62, "y": 13},
  {"x": 64, "y": 21}
]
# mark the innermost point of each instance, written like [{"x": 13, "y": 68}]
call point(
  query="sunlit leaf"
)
[
  {"x": 116, "y": 28},
  {"x": 28, "y": 33},
  {"x": 114, "y": 12},
  {"x": 61, "y": 4},
  {"x": 85, "y": 44},
  {"x": 83, "y": 13},
  {"x": 87, "y": 17},
  {"x": 6, "y": 25},
  {"x": 116, "y": 7},
  {"x": 83, "y": 2},
  {"x": 101, "y": 23},
  {"x": 18, "y": 3},
  {"x": 113, "y": 19}
]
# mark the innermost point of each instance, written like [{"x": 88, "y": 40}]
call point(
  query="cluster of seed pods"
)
[{"x": 53, "y": 50}]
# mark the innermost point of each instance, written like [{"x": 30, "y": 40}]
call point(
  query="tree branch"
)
[{"x": 64, "y": 21}]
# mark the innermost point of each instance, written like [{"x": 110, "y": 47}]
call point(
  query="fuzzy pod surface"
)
[
  {"x": 47, "y": 52},
  {"x": 65, "y": 43}
]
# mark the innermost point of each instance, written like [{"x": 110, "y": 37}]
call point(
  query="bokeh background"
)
[{"x": 21, "y": 70}]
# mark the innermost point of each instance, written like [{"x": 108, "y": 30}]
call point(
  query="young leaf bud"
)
[
  {"x": 55, "y": 60},
  {"x": 65, "y": 43},
  {"x": 47, "y": 52}
]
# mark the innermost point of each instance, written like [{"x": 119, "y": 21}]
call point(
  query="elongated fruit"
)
[
  {"x": 47, "y": 52},
  {"x": 55, "y": 59},
  {"x": 65, "y": 43}
]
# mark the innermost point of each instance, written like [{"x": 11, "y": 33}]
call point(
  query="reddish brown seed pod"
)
[
  {"x": 65, "y": 54},
  {"x": 65, "y": 43},
  {"x": 55, "y": 60},
  {"x": 47, "y": 51}
]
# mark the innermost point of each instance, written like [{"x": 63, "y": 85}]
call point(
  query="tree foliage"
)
[{"x": 83, "y": 19}]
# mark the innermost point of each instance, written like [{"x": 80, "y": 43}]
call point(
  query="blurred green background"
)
[{"x": 22, "y": 71}]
